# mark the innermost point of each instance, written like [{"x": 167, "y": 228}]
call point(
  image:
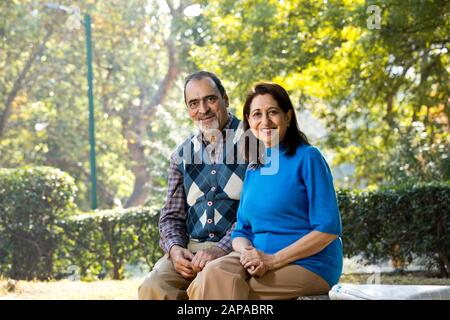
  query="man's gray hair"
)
[{"x": 198, "y": 75}]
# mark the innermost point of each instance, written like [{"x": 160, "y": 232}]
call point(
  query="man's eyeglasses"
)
[{"x": 194, "y": 104}]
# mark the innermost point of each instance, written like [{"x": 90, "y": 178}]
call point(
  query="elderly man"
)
[{"x": 205, "y": 181}]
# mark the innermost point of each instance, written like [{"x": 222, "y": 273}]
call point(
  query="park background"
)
[{"x": 369, "y": 81}]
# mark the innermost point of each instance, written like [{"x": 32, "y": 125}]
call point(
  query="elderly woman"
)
[{"x": 287, "y": 236}]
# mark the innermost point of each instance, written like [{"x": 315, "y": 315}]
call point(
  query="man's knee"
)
[
  {"x": 223, "y": 263},
  {"x": 212, "y": 268},
  {"x": 149, "y": 286},
  {"x": 154, "y": 286},
  {"x": 163, "y": 284}
]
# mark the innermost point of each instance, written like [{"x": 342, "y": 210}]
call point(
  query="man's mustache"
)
[{"x": 207, "y": 116}]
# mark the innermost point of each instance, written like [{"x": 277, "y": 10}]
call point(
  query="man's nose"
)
[{"x": 203, "y": 107}]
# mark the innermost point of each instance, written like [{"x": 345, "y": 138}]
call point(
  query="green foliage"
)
[
  {"x": 362, "y": 83},
  {"x": 48, "y": 122},
  {"x": 102, "y": 242},
  {"x": 418, "y": 159},
  {"x": 399, "y": 224},
  {"x": 32, "y": 200},
  {"x": 367, "y": 86}
]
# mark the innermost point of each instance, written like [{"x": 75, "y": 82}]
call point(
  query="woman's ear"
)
[{"x": 289, "y": 117}]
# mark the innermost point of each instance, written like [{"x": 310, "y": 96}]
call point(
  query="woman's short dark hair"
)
[{"x": 294, "y": 137}]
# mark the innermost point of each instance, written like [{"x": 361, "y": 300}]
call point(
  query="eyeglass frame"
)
[{"x": 205, "y": 101}]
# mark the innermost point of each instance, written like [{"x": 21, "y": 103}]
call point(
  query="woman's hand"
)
[
  {"x": 257, "y": 262},
  {"x": 258, "y": 271}
]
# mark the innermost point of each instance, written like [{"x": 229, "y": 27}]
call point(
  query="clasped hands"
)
[
  {"x": 256, "y": 262},
  {"x": 189, "y": 264}
]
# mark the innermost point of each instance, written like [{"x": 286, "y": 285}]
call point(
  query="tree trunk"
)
[
  {"x": 135, "y": 120},
  {"x": 141, "y": 176},
  {"x": 134, "y": 126}
]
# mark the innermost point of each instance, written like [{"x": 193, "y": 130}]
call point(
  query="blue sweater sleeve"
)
[
  {"x": 242, "y": 228},
  {"x": 323, "y": 209}
]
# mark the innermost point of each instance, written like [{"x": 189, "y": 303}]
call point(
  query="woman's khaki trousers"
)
[{"x": 226, "y": 279}]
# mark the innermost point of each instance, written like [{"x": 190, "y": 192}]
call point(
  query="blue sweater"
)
[{"x": 276, "y": 210}]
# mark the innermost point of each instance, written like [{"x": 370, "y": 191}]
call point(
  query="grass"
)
[
  {"x": 127, "y": 289},
  {"x": 72, "y": 290}
]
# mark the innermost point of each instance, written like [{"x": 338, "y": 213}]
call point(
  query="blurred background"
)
[{"x": 371, "y": 84}]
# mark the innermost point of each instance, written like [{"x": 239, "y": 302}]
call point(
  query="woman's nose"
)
[{"x": 265, "y": 120}]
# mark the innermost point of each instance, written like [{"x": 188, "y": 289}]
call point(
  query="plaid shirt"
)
[{"x": 172, "y": 221}]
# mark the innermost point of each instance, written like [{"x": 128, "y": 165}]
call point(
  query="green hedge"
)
[
  {"x": 41, "y": 237},
  {"x": 400, "y": 224},
  {"x": 102, "y": 242},
  {"x": 32, "y": 200}
]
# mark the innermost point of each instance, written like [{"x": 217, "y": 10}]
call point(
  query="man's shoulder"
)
[
  {"x": 235, "y": 121},
  {"x": 186, "y": 142}
]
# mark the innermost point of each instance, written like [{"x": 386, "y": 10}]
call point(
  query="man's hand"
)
[
  {"x": 202, "y": 257},
  {"x": 181, "y": 259}
]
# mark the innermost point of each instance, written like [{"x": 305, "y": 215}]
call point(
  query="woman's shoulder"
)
[{"x": 308, "y": 151}]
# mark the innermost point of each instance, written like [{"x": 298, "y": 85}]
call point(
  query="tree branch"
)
[
  {"x": 38, "y": 50},
  {"x": 167, "y": 82}
]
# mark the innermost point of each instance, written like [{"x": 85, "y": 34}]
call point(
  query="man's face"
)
[{"x": 207, "y": 108}]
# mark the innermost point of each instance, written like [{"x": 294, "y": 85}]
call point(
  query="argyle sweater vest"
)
[{"x": 212, "y": 190}]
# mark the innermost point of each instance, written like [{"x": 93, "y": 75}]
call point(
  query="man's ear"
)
[{"x": 227, "y": 101}]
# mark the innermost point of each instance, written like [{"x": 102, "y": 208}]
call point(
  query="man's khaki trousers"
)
[{"x": 164, "y": 282}]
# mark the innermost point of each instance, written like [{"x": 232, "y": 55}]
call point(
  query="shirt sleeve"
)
[
  {"x": 172, "y": 220},
  {"x": 242, "y": 227},
  {"x": 323, "y": 208},
  {"x": 225, "y": 242}
]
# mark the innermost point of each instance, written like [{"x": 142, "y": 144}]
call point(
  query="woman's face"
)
[{"x": 267, "y": 120}]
